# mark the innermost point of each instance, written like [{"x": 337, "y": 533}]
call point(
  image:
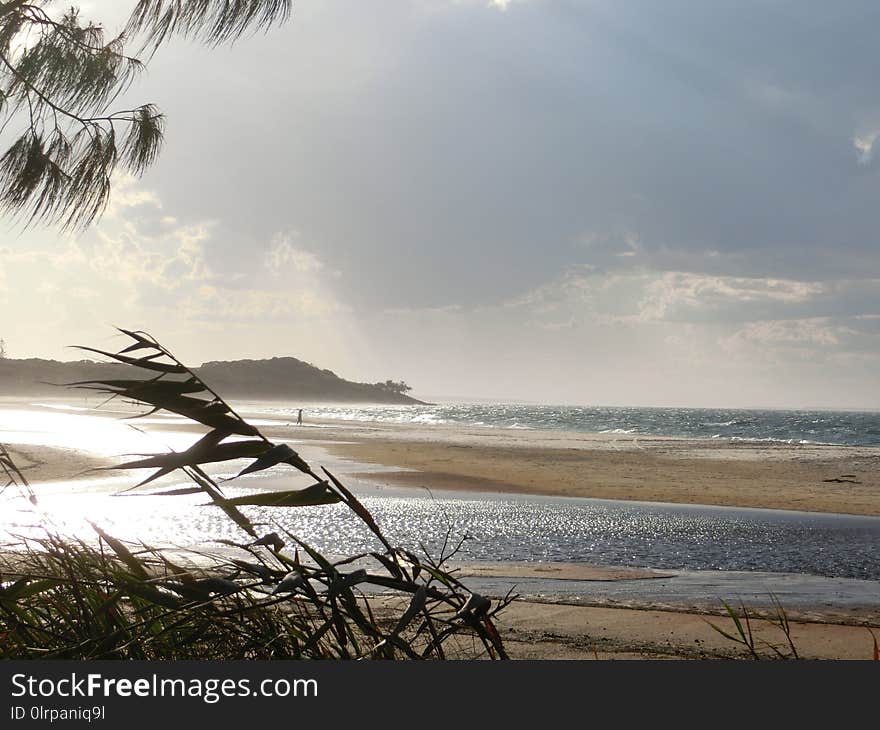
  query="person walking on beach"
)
[{"x": 299, "y": 417}]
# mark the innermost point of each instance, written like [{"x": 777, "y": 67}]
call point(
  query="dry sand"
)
[
  {"x": 776, "y": 476},
  {"x": 667, "y": 470},
  {"x": 552, "y": 631},
  {"x": 541, "y": 630}
]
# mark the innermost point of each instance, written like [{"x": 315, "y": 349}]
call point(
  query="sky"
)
[{"x": 557, "y": 201}]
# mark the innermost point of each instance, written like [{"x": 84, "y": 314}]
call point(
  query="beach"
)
[
  {"x": 813, "y": 478},
  {"x": 41, "y": 464},
  {"x": 541, "y": 631},
  {"x": 473, "y": 461}
]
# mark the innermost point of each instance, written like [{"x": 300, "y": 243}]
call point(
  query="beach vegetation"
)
[
  {"x": 394, "y": 386},
  {"x": 267, "y": 595},
  {"x": 758, "y": 648}
]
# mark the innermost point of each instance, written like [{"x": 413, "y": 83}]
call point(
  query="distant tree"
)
[
  {"x": 2, "y": 348},
  {"x": 58, "y": 80},
  {"x": 393, "y": 386}
]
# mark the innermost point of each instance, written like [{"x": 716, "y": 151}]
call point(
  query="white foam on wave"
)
[
  {"x": 772, "y": 440},
  {"x": 426, "y": 418}
]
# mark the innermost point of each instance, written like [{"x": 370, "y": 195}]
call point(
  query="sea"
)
[
  {"x": 707, "y": 554},
  {"x": 845, "y": 428}
]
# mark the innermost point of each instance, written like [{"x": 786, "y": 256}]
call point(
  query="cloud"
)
[
  {"x": 166, "y": 264},
  {"x": 283, "y": 255},
  {"x": 864, "y": 145},
  {"x": 494, "y": 196},
  {"x": 127, "y": 193},
  {"x": 819, "y": 331},
  {"x": 143, "y": 267},
  {"x": 679, "y": 294},
  {"x": 649, "y": 337},
  {"x": 647, "y": 295},
  {"x": 214, "y": 304}
]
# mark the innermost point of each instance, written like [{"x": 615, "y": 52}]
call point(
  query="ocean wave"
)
[
  {"x": 773, "y": 440},
  {"x": 757, "y": 426},
  {"x": 427, "y": 418}
]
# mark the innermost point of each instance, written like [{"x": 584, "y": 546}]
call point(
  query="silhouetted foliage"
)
[
  {"x": 66, "y": 598},
  {"x": 59, "y": 77},
  {"x": 394, "y": 386}
]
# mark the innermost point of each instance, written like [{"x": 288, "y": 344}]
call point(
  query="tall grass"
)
[
  {"x": 755, "y": 647},
  {"x": 11, "y": 475},
  {"x": 273, "y": 596}
]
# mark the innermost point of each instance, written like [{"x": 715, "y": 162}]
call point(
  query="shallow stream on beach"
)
[{"x": 707, "y": 554}]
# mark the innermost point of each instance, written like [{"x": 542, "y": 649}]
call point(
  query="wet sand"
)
[
  {"x": 737, "y": 474},
  {"x": 666, "y": 470},
  {"x": 775, "y": 476},
  {"x": 607, "y": 466},
  {"x": 52, "y": 464}
]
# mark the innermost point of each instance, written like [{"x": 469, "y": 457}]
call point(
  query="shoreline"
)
[
  {"x": 49, "y": 464},
  {"x": 576, "y": 465},
  {"x": 811, "y": 478}
]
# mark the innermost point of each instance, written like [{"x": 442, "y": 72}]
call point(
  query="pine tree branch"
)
[{"x": 70, "y": 76}]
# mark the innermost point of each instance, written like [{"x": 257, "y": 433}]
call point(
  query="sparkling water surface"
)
[{"x": 507, "y": 528}]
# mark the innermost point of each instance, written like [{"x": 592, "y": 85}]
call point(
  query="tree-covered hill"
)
[{"x": 276, "y": 378}]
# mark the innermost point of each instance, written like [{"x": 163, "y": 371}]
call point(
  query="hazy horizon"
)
[
  {"x": 570, "y": 201},
  {"x": 444, "y": 399}
]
